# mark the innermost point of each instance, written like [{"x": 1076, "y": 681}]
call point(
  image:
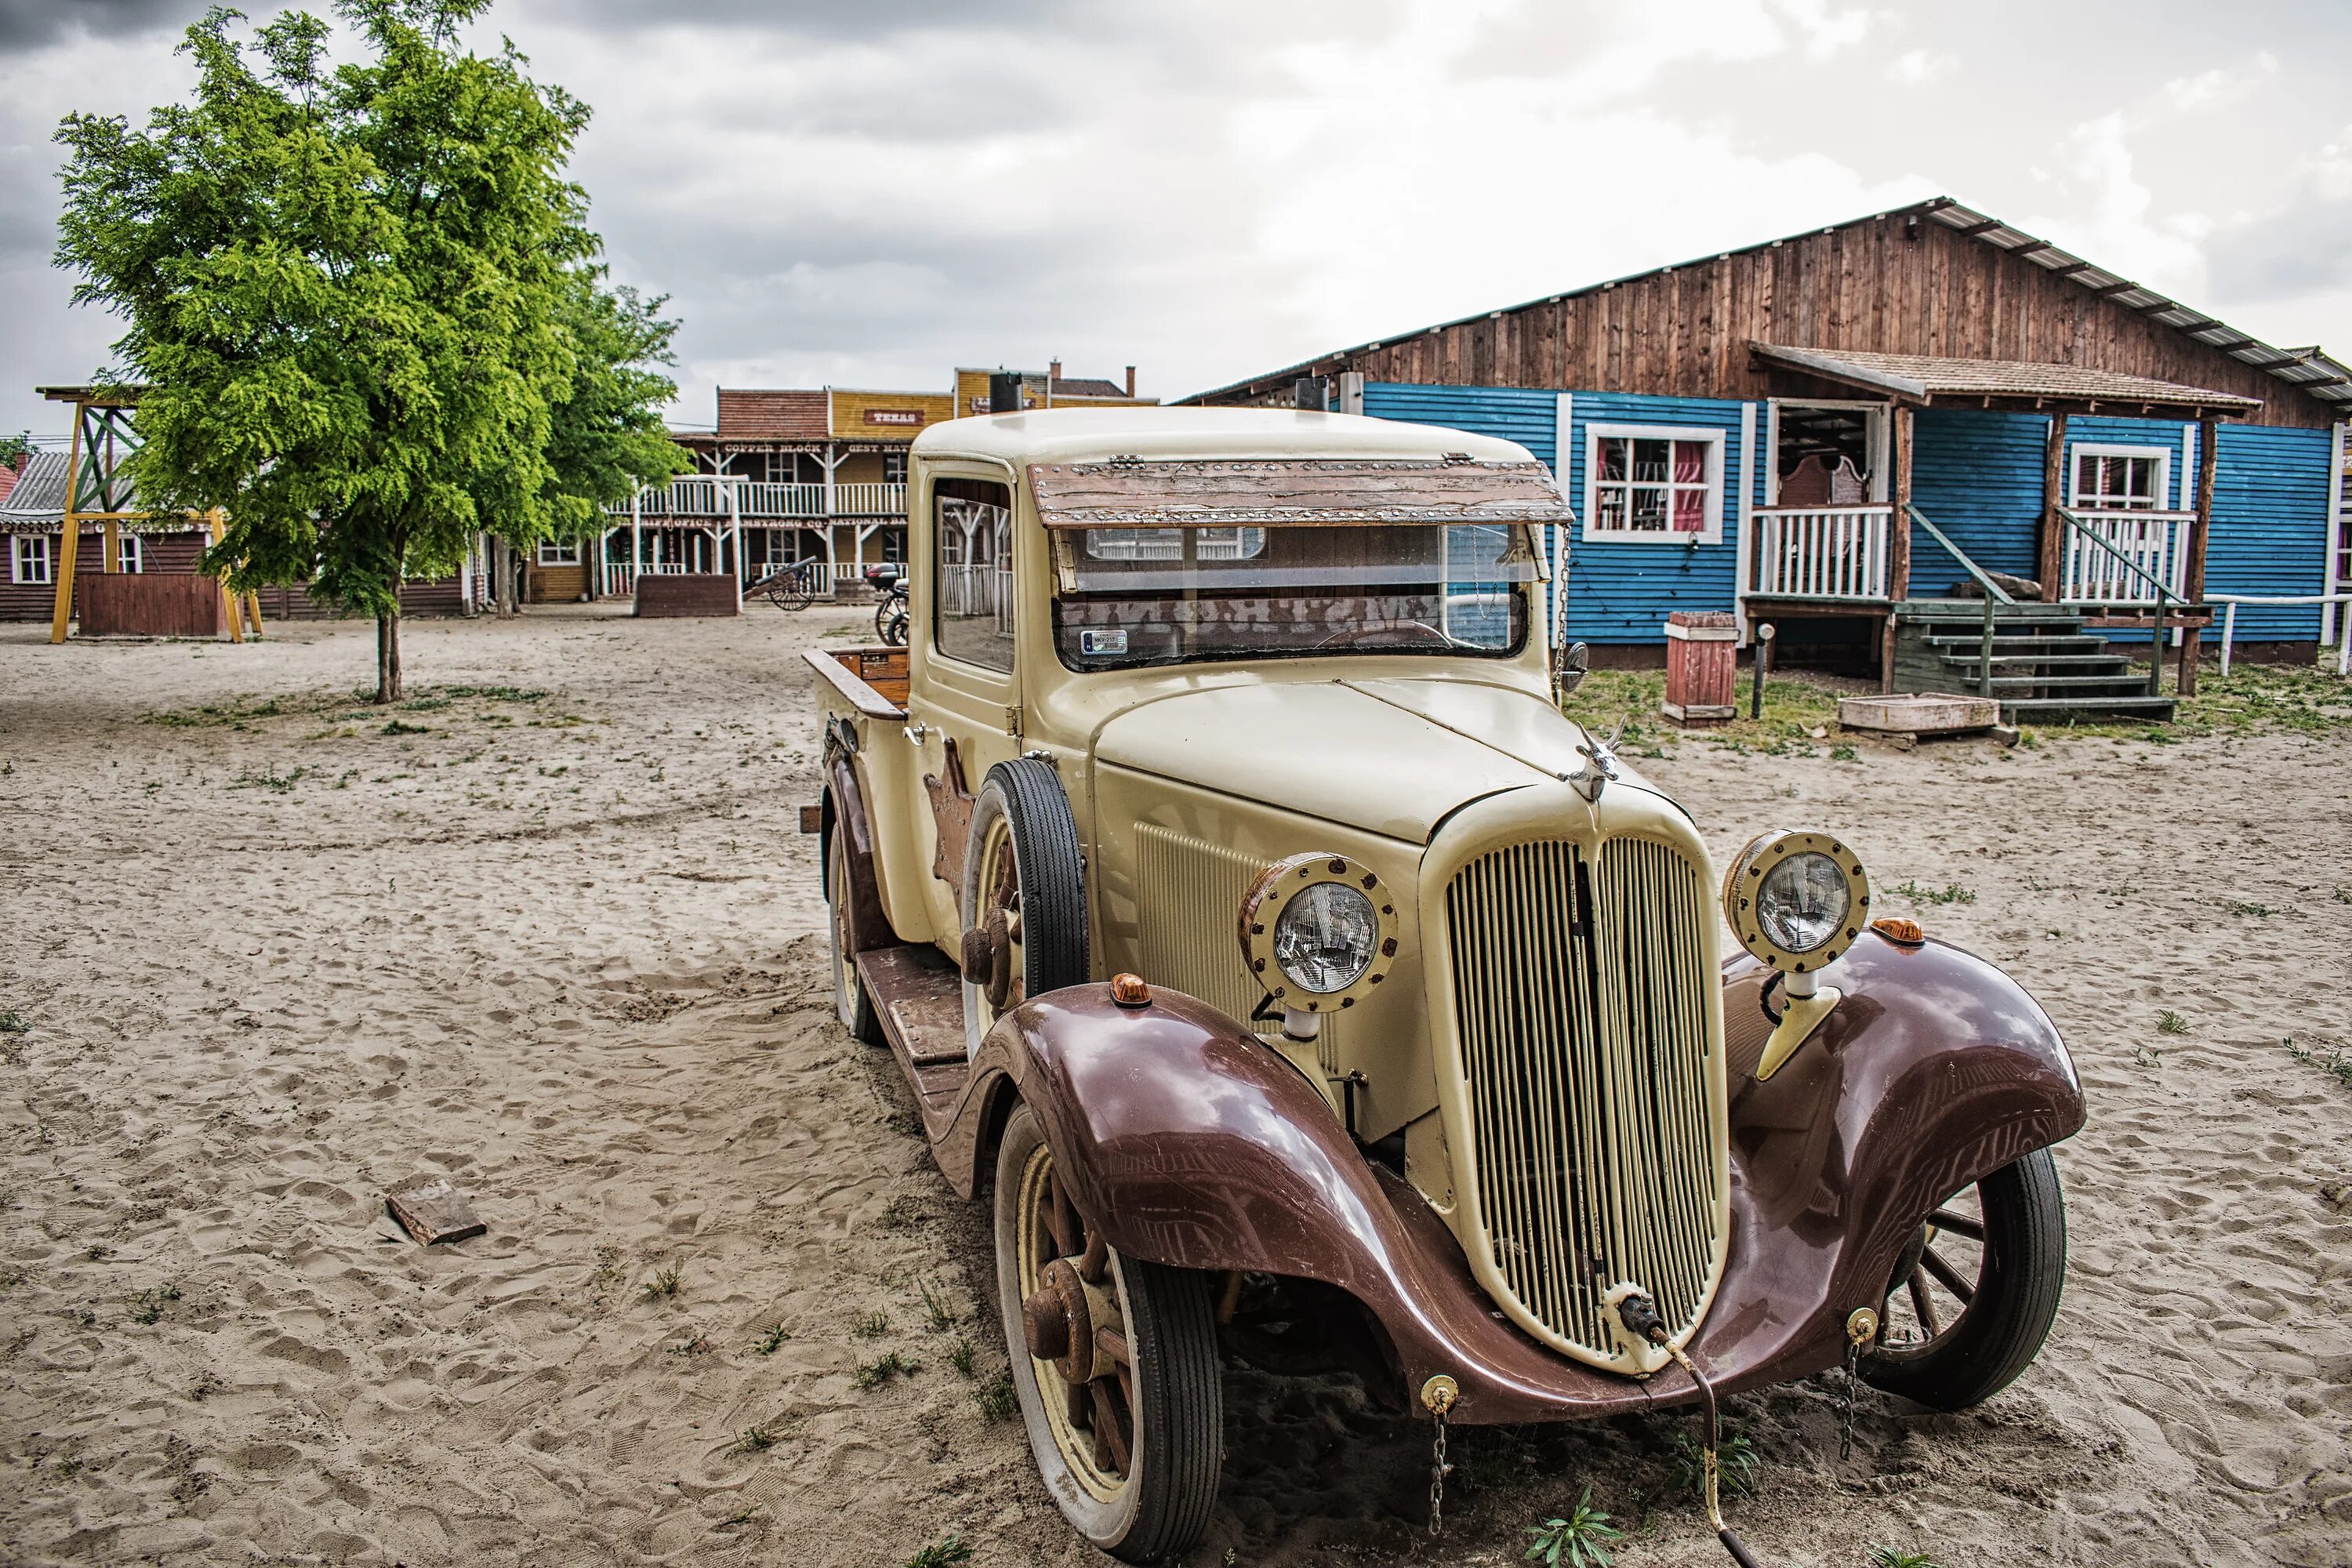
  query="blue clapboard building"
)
[{"x": 1860, "y": 433}]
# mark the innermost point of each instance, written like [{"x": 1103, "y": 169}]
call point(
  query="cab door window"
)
[{"x": 973, "y": 602}]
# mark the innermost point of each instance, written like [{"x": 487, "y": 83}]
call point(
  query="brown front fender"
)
[
  {"x": 845, "y": 813},
  {"x": 1195, "y": 1145}
]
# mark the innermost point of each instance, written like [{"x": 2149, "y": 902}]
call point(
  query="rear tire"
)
[
  {"x": 1999, "y": 1329},
  {"x": 850, "y": 1001},
  {"x": 1170, "y": 1399}
]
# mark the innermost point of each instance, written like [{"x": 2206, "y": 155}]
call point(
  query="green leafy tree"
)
[{"x": 360, "y": 297}]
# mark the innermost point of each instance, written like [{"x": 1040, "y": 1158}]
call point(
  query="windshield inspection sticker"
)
[{"x": 1100, "y": 642}]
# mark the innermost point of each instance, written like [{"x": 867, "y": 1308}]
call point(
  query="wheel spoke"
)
[
  {"x": 1113, "y": 1343},
  {"x": 1923, "y": 1309},
  {"x": 1108, "y": 1428},
  {"x": 1958, "y": 1224},
  {"x": 1947, "y": 1276},
  {"x": 1058, "y": 1217}
]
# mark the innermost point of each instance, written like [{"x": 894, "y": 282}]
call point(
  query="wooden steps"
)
[{"x": 2047, "y": 666}]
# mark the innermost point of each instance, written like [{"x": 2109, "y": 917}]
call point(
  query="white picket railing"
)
[
  {"x": 705, "y": 495},
  {"x": 1821, "y": 552},
  {"x": 2149, "y": 540}
]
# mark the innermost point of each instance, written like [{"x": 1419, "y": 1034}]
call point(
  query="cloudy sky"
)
[{"x": 866, "y": 194}]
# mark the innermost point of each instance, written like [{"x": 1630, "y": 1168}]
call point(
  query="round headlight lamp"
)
[
  {"x": 1318, "y": 931},
  {"x": 1796, "y": 900}
]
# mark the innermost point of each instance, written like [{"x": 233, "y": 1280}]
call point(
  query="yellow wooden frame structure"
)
[{"x": 102, "y": 432}]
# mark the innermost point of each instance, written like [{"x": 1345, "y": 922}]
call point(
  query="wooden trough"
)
[
  {"x": 666, "y": 594},
  {"x": 1919, "y": 713}
]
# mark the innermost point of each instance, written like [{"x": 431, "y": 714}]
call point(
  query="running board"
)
[{"x": 919, "y": 996}]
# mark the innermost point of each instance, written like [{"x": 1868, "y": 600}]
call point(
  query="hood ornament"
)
[{"x": 1600, "y": 769}]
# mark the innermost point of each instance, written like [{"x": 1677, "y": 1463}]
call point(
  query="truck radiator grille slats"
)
[
  {"x": 1190, "y": 892},
  {"x": 1581, "y": 1010}
]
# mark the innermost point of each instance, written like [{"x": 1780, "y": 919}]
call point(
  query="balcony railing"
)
[
  {"x": 2143, "y": 550},
  {"x": 704, "y": 496},
  {"x": 1821, "y": 552}
]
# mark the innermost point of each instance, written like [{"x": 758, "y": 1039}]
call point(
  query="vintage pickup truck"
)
[{"x": 1302, "y": 986}]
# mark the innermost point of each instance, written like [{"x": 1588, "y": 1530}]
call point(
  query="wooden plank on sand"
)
[{"x": 434, "y": 1213}]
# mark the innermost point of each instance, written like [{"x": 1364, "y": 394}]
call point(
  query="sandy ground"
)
[{"x": 556, "y": 943}]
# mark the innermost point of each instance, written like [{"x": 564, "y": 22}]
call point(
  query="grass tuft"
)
[
  {"x": 769, "y": 1342},
  {"x": 754, "y": 1440},
  {"x": 147, "y": 1307},
  {"x": 872, "y": 1326},
  {"x": 2338, "y": 1065},
  {"x": 1734, "y": 1460},
  {"x": 2169, "y": 1022},
  {"x": 11, "y": 1022},
  {"x": 666, "y": 1283},
  {"x": 889, "y": 1364},
  {"x": 941, "y": 1553},
  {"x": 1579, "y": 1541},
  {"x": 1951, "y": 893},
  {"x": 960, "y": 1356},
  {"x": 997, "y": 1398},
  {"x": 936, "y": 1311},
  {"x": 396, "y": 728},
  {"x": 1889, "y": 1557}
]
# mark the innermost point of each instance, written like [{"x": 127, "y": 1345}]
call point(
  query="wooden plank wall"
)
[{"x": 1864, "y": 287}]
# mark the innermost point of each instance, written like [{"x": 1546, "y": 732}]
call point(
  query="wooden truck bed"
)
[{"x": 873, "y": 679}]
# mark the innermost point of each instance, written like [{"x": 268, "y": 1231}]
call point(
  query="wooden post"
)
[
  {"x": 113, "y": 562},
  {"x": 253, "y": 613},
  {"x": 70, "y": 545},
  {"x": 2192, "y": 578},
  {"x": 228, "y": 599},
  {"x": 1898, "y": 545},
  {"x": 2053, "y": 496}
]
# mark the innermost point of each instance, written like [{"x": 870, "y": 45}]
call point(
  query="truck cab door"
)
[{"x": 963, "y": 704}]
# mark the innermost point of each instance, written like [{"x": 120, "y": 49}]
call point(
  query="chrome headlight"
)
[
  {"x": 1318, "y": 931},
  {"x": 1796, "y": 900}
]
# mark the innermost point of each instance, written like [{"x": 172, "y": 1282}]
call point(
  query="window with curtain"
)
[
  {"x": 2122, "y": 479},
  {"x": 1654, "y": 483}
]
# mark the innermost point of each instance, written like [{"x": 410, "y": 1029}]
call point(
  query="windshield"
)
[{"x": 1131, "y": 596}]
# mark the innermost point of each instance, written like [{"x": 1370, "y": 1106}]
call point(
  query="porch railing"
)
[
  {"x": 704, "y": 496},
  {"x": 1992, "y": 591},
  {"x": 2121, "y": 557},
  {"x": 1821, "y": 552}
]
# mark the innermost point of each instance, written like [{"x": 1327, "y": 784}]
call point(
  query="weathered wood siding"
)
[
  {"x": 1869, "y": 287},
  {"x": 149, "y": 604}
]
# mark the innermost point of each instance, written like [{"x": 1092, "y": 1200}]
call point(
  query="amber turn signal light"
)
[
  {"x": 1903, "y": 932},
  {"x": 1130, "y": 991}
]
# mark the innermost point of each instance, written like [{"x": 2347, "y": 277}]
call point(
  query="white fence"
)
[
  {"x": 705, "y": 495},
  {"x": 2149, "y": 540},
  {"x": 1821, "y": 552},
  {"x": 2230, "y": 603}
]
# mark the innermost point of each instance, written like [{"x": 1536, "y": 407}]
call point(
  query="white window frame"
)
[
  {"x": 555, "y": 553},
  {"x": 2078, "y": 450},
  {"x": 31, "y": 550},
  {"x": 131, "y": 554},
  {"x": 1711, "y": 534}
]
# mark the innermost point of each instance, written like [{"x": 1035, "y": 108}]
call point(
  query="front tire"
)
[
  {"x": 1132, "y": 1456},
  {"x": 2004, "y": 1280},
  {"x": 1024, "y": 896}
]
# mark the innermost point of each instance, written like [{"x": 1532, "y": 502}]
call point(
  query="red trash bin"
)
[{"x": 1702, "y": 666}]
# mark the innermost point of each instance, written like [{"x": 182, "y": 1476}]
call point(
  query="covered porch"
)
[{"x": 2039, "y": 524}]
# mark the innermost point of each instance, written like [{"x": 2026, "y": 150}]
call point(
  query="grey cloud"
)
[
  {"x": 29, "y": 24},
  {"x": 2303, "y": 249}
]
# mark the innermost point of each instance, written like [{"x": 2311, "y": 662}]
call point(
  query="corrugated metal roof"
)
[
  {"x": 38, "y": 499},
  {"x": 2306, "y": 369},
  {"x": 1925, "y": 377},
  {"x": 772, "y": 416}
]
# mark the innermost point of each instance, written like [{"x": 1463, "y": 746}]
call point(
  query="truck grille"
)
[{"x": 1581, "y": 1007}]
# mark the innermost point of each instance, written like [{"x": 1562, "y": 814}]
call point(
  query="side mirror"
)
[{"x": 1569, "y": 666}]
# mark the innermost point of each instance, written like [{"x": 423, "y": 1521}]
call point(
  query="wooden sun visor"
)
[{"x": 1328, "y": 492}]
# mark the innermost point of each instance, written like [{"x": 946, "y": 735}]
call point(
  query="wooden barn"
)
[{"x": 1866, "y": 433}]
